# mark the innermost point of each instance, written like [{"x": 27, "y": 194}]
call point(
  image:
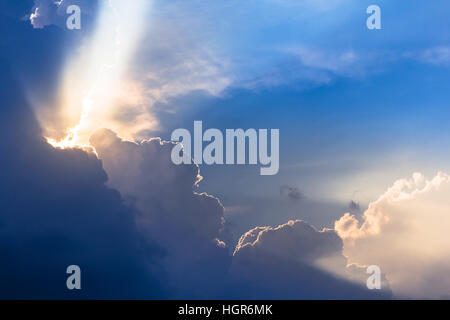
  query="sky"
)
[{"x": 86, "y": 122}]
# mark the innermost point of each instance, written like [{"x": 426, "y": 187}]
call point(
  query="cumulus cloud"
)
[
  {"x": 57, "y": 211},
  {"x": 144, "y": 172},
  {"x": 187, "y": 224},
  {"x": 405, "y": 232},
  {"x": 156, "y": 238},
  {"x": 156, "y": 242},
  {"x": 44, "y": 13},
  {"x": 295, "y": 260},
  {"x": 273, "y": 240}
]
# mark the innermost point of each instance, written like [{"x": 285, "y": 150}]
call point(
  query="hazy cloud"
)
[
  {"x": 405, "y": 232},
  {"x": 293, "y": 193}
]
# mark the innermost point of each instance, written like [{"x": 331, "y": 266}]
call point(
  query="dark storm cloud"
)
[{"x": 57, "y": 211}]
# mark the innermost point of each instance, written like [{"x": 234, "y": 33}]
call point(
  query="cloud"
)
[
  {"x": 162, "y": 238},
  {"x": 295, "y": 261},
  {"x": 188, "y": 47},
  {"x": 44, "y": 13},
  {"x": 293, "y": 193},
  {"x": 187, "y": 224},
  {"x": 437, "y": 55},
  {"x": 405, "y": 232},
  {"x": 52, "y": 12},
  {"x": 338, "y": 63},
  {"x": 57, "y": 211},
  {"x": 308, "y": 4},
  {"x": 273, "y": 240},
  {"x": 156, "y": 238},
  {"x": 144, "y": 171},
  {"x": 131, "y": 62},
  {"x": 174, "y": 59},
  {"x": 354, "y": 206}
]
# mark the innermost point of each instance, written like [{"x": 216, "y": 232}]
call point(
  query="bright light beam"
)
[{"x": 93, "y": 75}]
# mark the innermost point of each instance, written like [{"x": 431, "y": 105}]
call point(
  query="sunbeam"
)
[{"x": 93, "y": 76}]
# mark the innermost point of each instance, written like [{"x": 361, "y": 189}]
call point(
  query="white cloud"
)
[
  {"x": 176, "y": 58},
  {"x": 340, "y": 63},
  {"x": 405, "y": 232},
  {"x": 44, "y": 13}
]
